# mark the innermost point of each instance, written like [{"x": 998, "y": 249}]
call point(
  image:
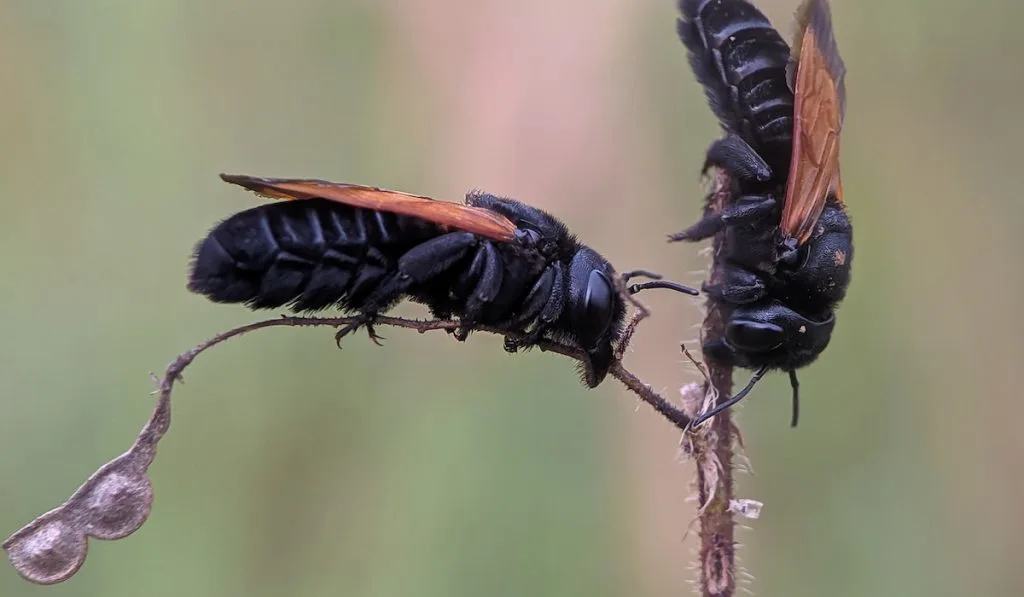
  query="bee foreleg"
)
[
  {"x": 547, "y": 294},
  {"x": 738, "y": 287},
  {"x": 706, "y": 227},
  {"x": 553, "y": 307}
]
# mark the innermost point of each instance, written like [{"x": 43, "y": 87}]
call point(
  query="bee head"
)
[{"x": 595, "y": 311}]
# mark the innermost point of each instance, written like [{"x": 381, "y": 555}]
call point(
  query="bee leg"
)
[
  {"x": 364, "y": 319},
  {"x": 735, "y": 156},
  {"x": 745, "y": 209},
  {"x": 426, "y": 261},
  {"x": 706, "y": 227},
  {"x": 557, "y": 298},
  {"x": 373, "y": 334},
  {"x": 490, "y": 272},
  {"x": 417, "y": 265},
  {"x": 465, "y": 285},
  {"x": 543, "y": 305},
  {"x": 738, "y": 287},
  {"x": 535, "y": 335},
  {"x": 733, "y": 295}
]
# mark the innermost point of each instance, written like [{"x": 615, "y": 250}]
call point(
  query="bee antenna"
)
[
  {"x": 736, "y": 398},
  {"x": 635, "y": 288},
  {"x": 640, "y": 272}
]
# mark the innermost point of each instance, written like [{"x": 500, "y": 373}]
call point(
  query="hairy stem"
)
[
  {"x": 618, "y": 371},
  {"x": 712, "y": 444}
]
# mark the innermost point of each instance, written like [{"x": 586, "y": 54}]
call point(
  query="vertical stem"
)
[{"x": 713, "y": 445}]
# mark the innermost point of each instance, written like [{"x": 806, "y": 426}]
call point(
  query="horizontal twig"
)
[{"x": 116, "y": 500}]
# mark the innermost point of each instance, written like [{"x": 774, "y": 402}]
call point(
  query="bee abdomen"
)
[
  {"x": 309, "y": 255},
  {"x": 740, "y": 59}
]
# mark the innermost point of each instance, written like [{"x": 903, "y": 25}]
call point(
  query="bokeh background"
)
[{"x": 429, "y": 467}]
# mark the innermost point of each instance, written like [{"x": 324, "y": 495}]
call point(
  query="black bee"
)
[
  {"x": 788, "y": 242},
  {"x": 492, "y": 262}
]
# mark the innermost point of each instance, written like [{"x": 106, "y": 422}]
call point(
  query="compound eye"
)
[
  {"x": 755, "y": 336},
  {"x": 598, "y": 307}
]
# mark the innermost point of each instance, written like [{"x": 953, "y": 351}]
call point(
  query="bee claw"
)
[
  {"x": 373, "y": 335},
  {"x": 341, "y": 334},
  {"x": 532, "y": 338},
  {"x": 365, "y": 320}
]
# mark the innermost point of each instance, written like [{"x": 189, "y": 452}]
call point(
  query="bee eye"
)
[
  {"x": 597, "y": 307},
  {"x": 755, "y": 336}
]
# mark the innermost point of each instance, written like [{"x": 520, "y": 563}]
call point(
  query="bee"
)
[
  {"x": 787, "y": 244},
  {"x": 492, "y": 262}
]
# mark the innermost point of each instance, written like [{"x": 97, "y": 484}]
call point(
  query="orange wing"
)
[
  {"x": 450, "y": 215},
  {"x": 820, "y": 94}
]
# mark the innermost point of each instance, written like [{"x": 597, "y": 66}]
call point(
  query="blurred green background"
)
[{"x": 429, "y": 467}]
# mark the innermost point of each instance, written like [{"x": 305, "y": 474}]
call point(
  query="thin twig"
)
[{"x": 117, "y": 499}]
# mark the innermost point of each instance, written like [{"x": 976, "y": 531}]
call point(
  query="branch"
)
[
  {"x": 117, "y": 499},
  {"x": 711, "y": 444}
]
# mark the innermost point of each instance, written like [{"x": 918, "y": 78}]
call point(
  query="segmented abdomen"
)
[
  {"x": 740, "y": 59},
  {"x": 309, "y": 254}
]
